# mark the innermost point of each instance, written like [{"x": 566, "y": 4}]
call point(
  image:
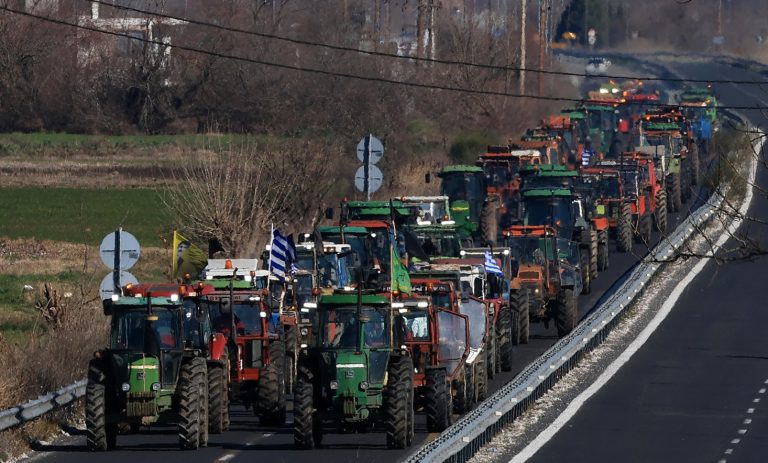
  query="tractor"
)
[
  {"x": 356, "y": 373},
  {"x": 465, "y": 187},
  {"x": 153, "y": 372},
  {"x": 664, "y": 141},
  {"x": 259, "y": 366},
  {"x": 549, "y": 268},
  {"x": 438, "y": 341}
]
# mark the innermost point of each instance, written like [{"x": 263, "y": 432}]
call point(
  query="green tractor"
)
[
  {"x": 153, "y": 371},
  {"x": 357, "y": 372},
  {"x": 465, "y": 187}
]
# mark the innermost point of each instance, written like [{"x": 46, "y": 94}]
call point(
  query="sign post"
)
[
  {"x": 120, "y": 251},
  {"x": 368, "y": 177}
]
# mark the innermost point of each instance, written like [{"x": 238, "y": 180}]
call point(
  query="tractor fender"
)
[{"x": 218, "y": 346}]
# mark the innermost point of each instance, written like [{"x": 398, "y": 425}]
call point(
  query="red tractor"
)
[
  {"x": 201, "y": 336},
  {"x": 438, "y": 342},
  {"x": 255, "y": 340}
]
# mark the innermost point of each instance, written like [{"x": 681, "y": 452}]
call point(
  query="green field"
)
[{"x": 82, "y": 216}]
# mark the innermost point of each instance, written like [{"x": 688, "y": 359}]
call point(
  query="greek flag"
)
[
  {"x": 281, "y": 255},
  {"x": 585, "y": 156},
  {"x": 491, "y": 266}
]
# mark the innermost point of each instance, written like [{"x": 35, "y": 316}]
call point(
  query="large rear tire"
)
[
  {"x": 593, "y": 258},
  {"x": 586, "y": 278},
  {"x": 192, "y": 389},
  {"x": 602, "y": 251},
  {"x": 270, "y": 389},
  {"x": 660, "y": 213},
  {"x": 218, "y": 391},
  {"x": 489, "y": 220},
  {"x": 492, "y": 346},
  {"x": 398, "y": 411},
  {"x": 624, "y": 230},
  {"x": 566, "y": 316},
  {"x": 674, "y": 194},
  {"x": 437, "y": 398},
  {"x": 695, "y": 164},
  {"x": 481, "y": 376}
]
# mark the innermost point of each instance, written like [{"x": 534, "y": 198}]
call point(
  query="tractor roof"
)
[
  {"x": 141, "y": 302},
  {"x": 525, "y": 231},
  {"x": 574, "y": 113},
  {"x": 460, "y": 168},
  {"x": 352, "y": 298},
  {"x": 382, "y": 211},
  {"x": 334, "y": 230},
  {"x": 237, "y": 285},
  {"x": 548, "y": 193}
]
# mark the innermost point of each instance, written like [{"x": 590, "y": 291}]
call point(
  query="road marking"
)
[
  {"x": 756, "y": 400},
  {"x": 226, "y": 457},
  {"x": 761, "y": 391},
  {"x": 742, "y": 431},
  {"x": 748, "y": 421},
  {"x": 736, "y": 441},
  {"x": 570, "y": 411},
  {"x": 269, "y": 434},
  {"x": 728, "y": 451},
  {"x": 750, "y": 410}
]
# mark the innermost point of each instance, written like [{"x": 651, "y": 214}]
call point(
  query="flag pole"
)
[{"x": 269, "y": 256}]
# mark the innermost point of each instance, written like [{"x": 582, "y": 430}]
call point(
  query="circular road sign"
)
[
  {"x": 130, "y": 251},
  {"x": 107, "y": 288},
  {"x": 374, "y": 145},
  {"x": 375, "y": 178}
]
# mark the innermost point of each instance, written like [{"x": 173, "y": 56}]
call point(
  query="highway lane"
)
[{"x": 696, "y": 391}]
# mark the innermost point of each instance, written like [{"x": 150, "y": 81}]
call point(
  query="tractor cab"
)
[
  {"x": 465, "y": 187},
  {"x": 428, "y": 210},
  {"x": 355, "y": 373}
]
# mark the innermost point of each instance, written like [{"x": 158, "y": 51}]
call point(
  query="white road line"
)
[
  {"x": 268, "y": 434},
  {"x": 756, "y": 400},
  {"x": 728, "y": 451},
  {"x": 750, "y": 410},
  {"x": 747, "y": 421},
  {"x": 761, "y": 391},
  {"x": 736, "y": 441},
  {"x": 226, "y": 457},
  {"x": 570, "y": 411},
  {"x": 742, "y": 431}
]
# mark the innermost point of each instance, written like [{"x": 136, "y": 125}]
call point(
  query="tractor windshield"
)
[
  {"x": 197, "y": 324},
  {"x": 333, "y": 271},
  {"x": 498, "y": 173},
  {"x": 303, "y": 285},
  {"x": 417, "y": 325},
  {"x": 630, "y": 180},
  {"x": 608, "y": 187},
  {"x": 466, "y": 186},
  {"x": 134, "y": 330},
  {"x": 548, "y": 211},
  {"x": 527, "y": 250},
  {"x": 439, "y": 245},
  {"x": 452, "y": 340},
  {"x": 431, "y": 212},
  {"x": 441, "y": 300},
  {"x": 475, "y": 311},
  {"x": 339, "y": 327},
  {"x": 305, "y": 261}
]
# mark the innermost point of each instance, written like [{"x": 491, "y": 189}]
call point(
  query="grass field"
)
[{"x": 82, "y": 215}]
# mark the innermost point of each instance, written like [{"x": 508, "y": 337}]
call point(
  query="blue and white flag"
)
[
  {"x": 282, "y": 254},
  {"x": 491, "y": 266},
  {"x": 586, "y": 156}
]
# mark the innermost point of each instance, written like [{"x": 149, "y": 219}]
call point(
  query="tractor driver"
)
[{"x": 374, "y": 333}]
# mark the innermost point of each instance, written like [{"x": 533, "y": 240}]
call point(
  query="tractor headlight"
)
[
  {"x": 125, "y": 387},
  {"x": 536, "y": 291},
  {"x": 263, "y": 314},
  {"x": 334, "y": 385},
  {"x": 304, "y": 331},
  {"x": 155, "y": 387},
  {"x": 364, "y": 385}
]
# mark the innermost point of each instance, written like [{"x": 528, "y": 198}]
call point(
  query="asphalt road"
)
[
  {"x": 696, "y": 391},
  {"x": 247, "y": 440}
]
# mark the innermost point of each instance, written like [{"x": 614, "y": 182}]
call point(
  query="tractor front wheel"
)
[
  {"x": 270, "y": 389},
  {"x": 437, "y": 398},
  {"x": 660, "y": 213},
  {"x": 98, "y": 434},
  {"x": 398, "y": 409},
  {"x": 218, "y": 396},
  {"x": 624, "y": 232},
  {"x": 307, "y": 426},
  {"x": 674, "y": 193},
  {"x": 192, "y": 389},
  {"x": 586, "y": 278}
]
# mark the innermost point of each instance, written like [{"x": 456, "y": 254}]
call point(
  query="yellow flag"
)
[{"x": 187, "y": 257}]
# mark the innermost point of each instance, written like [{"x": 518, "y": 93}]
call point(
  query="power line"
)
[
  {"x": 324, "y": 71},
  {"x": 415, "y": 58}
]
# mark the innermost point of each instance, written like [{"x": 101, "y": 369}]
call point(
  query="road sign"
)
[
  {"x": 107, "y": 288},
  {"x": 130, "y": 251},
  {"x": 374, "y": 147},
  {"x": 591, "y": 36},
  {"x": 375, "y": 179}
]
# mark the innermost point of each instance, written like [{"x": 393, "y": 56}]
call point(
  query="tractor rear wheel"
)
[
  {"x": 307, "y": 426},
  {"x": 489, "y": 220},
  {"x": 644, "y": 226},
  {"x": 586, "y": 278},
  {"x": 566, "y": 315},
  {"x": 674, "y": 194},
  {"x": 398, "y": 410},
  {"x": 491, "y": 344},
  {"x": 291, "y": 350},
  {"x": 270, "y": 389},
  {"x": 218, "y": 396},
  {"x": 481, "y": 376},
  {"x": 624, "y": 232},
  {"x": 99, "y": 436},
  {"x": 437, "y": 398},
  {"x": 660, "y": 213},
  {"x": 192, "y": 389},
  {"x": 593, "y": 258},
  {"x": 525, "y": 316},
  {"x": 509, "y": 322},
  {"x": 602, "y": 251},
  {"x": 695, "y": 164},
  {"x": 460, "y": 397}
]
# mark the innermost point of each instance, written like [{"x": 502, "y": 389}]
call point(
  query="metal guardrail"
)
[
  {"x": 19, "y": 414},
  {"x": 462, "y": 440}
]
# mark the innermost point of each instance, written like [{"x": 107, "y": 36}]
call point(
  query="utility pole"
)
[
  {"x": 542, "y": 41},
  {"x": 432, "y": 45},
  {"x": 586, "y": 16},
  {"x": 376, "y": 36},
  {"x": 420, "y": 28},
  {"x": 522, "y": 46}
]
